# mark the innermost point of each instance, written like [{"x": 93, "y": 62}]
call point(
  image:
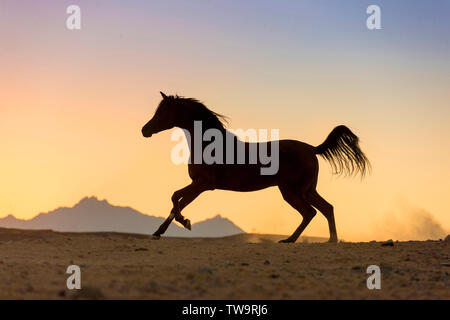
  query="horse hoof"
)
[
  {"x": 285, "y": 241},
  {"x": 156, "y": 237},
  {"x": 187, "y": 224}
]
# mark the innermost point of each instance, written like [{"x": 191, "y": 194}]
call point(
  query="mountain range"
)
[{"x": 93, "y": 215}]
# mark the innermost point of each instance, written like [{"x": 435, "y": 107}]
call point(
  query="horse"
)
[{"x": 296, "y": 176}]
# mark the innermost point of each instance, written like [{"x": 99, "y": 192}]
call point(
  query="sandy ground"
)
[{"x": 122, "y": 266}]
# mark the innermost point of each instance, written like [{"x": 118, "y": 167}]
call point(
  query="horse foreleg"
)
[
  {"x": 163, "y": 227},
  {"x": 184, "y": 197},
  {"x": 180, "y": 200},
  {"x": 174, "y": 213},
  {"x": 176, "y": 210}
]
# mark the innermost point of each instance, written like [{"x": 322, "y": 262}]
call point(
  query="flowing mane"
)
[{"x": 210, "y": 117}]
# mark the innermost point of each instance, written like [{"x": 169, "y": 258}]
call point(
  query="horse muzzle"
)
[{"x": 146, "y": 133}]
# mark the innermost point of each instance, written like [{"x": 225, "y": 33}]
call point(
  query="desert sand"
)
[{"x": 248, "y": 266}]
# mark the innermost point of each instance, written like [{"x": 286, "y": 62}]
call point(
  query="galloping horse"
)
[{"x": 296, "y": 177}]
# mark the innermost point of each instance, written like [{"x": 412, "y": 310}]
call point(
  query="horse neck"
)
[{"x": 191, "y": 133}]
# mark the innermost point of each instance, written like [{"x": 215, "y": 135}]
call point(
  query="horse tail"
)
[{"x": 341, "y": 149}]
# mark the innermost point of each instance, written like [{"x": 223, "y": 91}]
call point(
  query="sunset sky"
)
[{"x": 72, "y": 104}]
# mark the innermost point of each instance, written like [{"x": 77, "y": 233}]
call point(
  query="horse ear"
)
[{"x": 163, "y": 95}]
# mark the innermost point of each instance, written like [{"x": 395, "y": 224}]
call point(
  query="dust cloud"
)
[{"x": 409, "y": 224}]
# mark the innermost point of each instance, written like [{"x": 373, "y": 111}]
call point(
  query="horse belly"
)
[{"x": 244, "y": 178}]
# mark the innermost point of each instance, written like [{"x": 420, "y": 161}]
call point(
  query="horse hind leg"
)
[
  {"x": 298, "y": 202},
  {"x": 327, "y": 210}
]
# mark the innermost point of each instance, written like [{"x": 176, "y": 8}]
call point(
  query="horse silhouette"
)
[{"x": 296, "y": 177}]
